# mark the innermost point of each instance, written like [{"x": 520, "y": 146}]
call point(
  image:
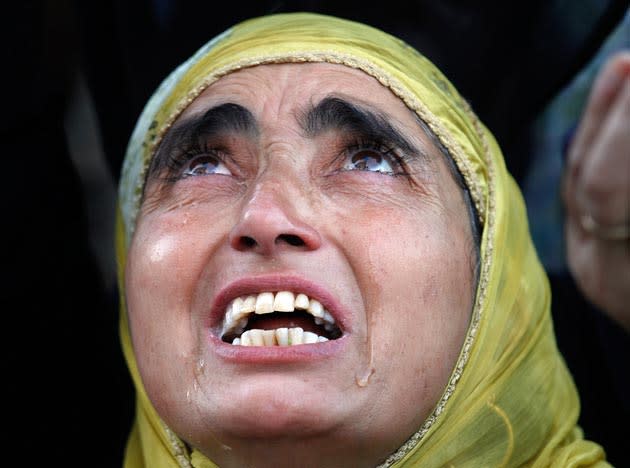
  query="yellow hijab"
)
[{"x": 510, "y": 400}]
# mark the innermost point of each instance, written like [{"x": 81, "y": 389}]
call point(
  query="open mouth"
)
[{"x": 281, "y": 318}]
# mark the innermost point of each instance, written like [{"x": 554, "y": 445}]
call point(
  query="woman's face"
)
[{"x": 315, "y": 180}]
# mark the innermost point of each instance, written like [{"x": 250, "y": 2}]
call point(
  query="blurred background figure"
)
[
  {"x": 581, "y": 143},
  {"x": 77, "y": 75}
]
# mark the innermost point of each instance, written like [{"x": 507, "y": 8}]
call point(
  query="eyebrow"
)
[
  {"x": 228, "y": 117},
  {"x": 219, "y": 120},
  {"x": 334, "y": 113}
]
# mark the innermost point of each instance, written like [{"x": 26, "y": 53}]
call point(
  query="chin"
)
[
  {"x": 276, "y": 407},
  {"x": 278, "y": 433}
]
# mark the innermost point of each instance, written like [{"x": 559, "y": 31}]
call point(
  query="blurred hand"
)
[{"x": 596, "y": 193}]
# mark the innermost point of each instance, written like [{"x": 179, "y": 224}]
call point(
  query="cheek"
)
[
  {"x": 415, "y": 257},
  {"x": 416, "y": 281},
  {"x": 420, "y": 278},
  {"x": 164, "y": 261}
]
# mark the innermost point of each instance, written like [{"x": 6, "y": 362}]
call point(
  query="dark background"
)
[{"x": 76, "y": 76}]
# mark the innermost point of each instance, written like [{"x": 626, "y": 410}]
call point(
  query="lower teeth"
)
[{"x": 279, "y": 337}]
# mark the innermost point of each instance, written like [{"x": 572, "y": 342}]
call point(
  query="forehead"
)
[{"x": 273, "y": 90}]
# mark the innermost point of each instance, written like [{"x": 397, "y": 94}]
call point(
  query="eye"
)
[
  {"x": 205, "y": 164},
  {"x": 371, "y": 158}
]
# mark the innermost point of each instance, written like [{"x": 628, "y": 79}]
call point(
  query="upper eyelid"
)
[
  {"x": 374, "y": 144},
  {"x": 185, "y": 152},
  {"x": 383, "y": 146}
]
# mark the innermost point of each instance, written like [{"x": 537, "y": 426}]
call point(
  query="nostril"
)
[
  {"x": 247, "y": 241},
  {"x": 291, "y": 239}
]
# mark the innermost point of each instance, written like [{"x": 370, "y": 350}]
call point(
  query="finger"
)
[
  {"x": 606, "y": 87},
  {"x": 602, "y": 188}
]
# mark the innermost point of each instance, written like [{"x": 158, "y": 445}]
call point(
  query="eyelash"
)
[
  {"x": 176, "y": 163},
  {"x": 178, "y": 159}
]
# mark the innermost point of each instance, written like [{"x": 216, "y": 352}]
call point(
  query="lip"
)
[{"x": 274, "y": 283}]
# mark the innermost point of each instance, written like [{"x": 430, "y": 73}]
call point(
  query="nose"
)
[{"x": 270, "y": 223}]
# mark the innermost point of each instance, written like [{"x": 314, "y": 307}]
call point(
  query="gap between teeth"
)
[
  {"x": 278, "y": 337},
  {"x": 240, "y": 308}
]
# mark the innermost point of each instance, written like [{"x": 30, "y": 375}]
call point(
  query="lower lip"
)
[{"x": 277, "y": 354}]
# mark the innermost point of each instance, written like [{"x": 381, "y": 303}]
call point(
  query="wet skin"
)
[{"x": 272, "y": 200}]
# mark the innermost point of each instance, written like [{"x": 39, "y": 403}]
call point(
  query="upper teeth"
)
[{"x": 240, "y": 308}]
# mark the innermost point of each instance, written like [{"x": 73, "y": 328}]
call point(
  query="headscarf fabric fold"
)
[{"x": 510, "y": 400}]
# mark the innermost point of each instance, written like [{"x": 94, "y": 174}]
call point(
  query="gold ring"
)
[{"x": 613, "y": 233}]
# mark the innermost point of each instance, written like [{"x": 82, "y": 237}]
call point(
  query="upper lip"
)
[{"x": 274, "y": 283}]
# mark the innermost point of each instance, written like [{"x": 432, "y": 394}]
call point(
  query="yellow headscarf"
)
[{"x": 510, "y": 400}]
